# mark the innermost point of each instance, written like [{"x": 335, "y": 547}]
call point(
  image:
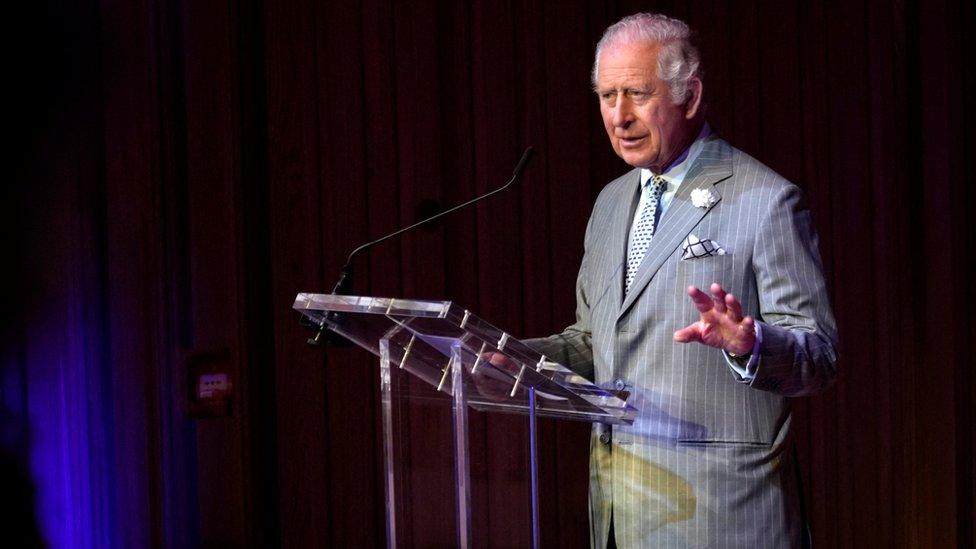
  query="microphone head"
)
[{"x": 526, "y": 156}]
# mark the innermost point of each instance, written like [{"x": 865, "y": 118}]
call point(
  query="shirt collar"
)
[{"x": 676, "y": 172}]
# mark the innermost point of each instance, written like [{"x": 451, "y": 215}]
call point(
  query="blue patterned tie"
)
[{"x": 641, "y": 237}]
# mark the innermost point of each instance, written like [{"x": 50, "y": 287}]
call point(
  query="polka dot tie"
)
[{"x": 641, "y": 237}]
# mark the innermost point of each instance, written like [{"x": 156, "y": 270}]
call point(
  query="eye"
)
[{"x": 638, "y": 96}]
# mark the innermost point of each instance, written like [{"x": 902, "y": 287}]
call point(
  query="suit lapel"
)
[
  {"x": 713, "y": 165},
  {"x": 621, "y": 219}
]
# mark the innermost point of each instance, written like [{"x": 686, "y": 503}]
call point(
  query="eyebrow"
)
[{"x": 642, "y": 89}]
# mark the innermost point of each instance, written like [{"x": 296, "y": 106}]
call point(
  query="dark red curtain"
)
[{"x": 185, "y": 168}]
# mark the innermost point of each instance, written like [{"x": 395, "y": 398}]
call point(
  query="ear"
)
[{"x": 694, "y": 100}]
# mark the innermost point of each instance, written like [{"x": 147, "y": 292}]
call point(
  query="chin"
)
[
  {"x": 637, "y": 161},
  {"x": 636, "y": 158}
]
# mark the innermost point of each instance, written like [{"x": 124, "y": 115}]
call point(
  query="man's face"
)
[{"x": 646, "y": 129}]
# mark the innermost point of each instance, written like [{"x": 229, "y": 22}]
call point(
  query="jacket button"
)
[
  {"x": 605, "y": 437},
  {"x": 619, "y": 384}
]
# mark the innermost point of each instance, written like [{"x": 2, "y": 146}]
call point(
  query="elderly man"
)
[{"x": 708, "y": 462}]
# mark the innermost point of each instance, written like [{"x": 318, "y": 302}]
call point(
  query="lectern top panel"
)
[{"x": 424, "y": 337}]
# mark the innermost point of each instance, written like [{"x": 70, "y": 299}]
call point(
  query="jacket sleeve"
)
[{"x": 798, "y": 355}]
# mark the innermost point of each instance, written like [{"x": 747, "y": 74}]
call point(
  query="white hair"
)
[{"x": 678, "y": 61}]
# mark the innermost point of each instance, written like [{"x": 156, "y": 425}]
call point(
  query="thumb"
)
[{"x": 689, "y": 333}]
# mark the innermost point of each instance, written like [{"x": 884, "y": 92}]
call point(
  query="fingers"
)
[
  {"x": 748, "y": 325},
  {"x": 721, "y": 302},
  {"x": 718, "y": 296},
  {"x": 734, "y": 307},
  {"x": 689, "y": 333},
  {"x": 745, "y": 338},
  {"x": 725, "y": 303},
  {"x": 702, "y": 301},
  {"x": 497, "y": 359}
]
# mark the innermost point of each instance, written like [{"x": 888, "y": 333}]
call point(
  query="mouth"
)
[{"x": 630, "y": 142}]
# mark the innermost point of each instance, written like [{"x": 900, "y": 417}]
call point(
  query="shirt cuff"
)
[{"x": 746, "y": 372}]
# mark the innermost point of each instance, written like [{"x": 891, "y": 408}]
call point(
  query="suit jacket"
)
[{"x": 707, "y": 461}]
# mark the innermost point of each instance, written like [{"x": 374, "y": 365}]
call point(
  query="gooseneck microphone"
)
[
  {"x": 344, "y": 284},
  {"x": 345, "y": 277}
]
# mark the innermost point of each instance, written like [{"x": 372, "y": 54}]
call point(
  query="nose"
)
[{"x": 622, "y": 114}]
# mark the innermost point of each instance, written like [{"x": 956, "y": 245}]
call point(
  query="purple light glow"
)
[{"x": 70, "y": 442}]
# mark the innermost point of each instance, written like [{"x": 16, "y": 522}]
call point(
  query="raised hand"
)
[{"x": 721, "y": 325}]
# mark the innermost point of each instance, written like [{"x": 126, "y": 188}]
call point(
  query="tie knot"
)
[{"x": 656, "y": 185}]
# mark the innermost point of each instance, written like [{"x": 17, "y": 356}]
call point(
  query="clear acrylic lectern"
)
[{"x": 471, "y": 363}]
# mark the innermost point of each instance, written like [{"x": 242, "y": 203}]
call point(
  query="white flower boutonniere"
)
[{"x": 703, "y": 198}]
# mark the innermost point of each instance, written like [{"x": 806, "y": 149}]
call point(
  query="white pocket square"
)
[{"x": 695, "y": 248}]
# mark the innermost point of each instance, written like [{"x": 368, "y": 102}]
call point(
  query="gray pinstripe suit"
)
[{"x": 707, "y": 462}]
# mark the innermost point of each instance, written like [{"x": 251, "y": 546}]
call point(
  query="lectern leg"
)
[
  {"x": 386, "y": 391},
  {"x": 534, "y": 469},
  {"x": 462, "y": 470}
]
